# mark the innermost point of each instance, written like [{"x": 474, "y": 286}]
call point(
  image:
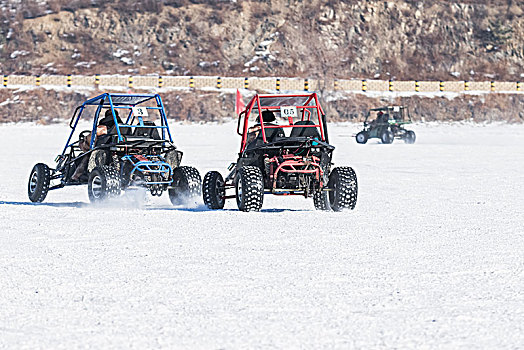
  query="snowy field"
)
[{"x": 432, "y": 256}]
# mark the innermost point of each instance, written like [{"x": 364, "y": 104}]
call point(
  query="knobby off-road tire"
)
[
  {"x": 249, "y": 187},
  {"x": 103, "y": 183},
  {"x": 38, "y": 185},
  {"x": 321, "y": 201},
  {"x": 213, "y": 190},
  {"x": 410, "y": 137},
  {"x": 344, "y": 189},
  {"x": 387, "y": 136},
  {"x": 187, "y": 185},
  {"x": 362, "y": 137}
]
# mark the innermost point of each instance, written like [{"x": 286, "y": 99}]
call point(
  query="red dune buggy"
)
[{"x": 284, "y": 151}]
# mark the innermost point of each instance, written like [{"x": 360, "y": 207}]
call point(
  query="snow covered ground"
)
[{"x": 432, "y": 256}]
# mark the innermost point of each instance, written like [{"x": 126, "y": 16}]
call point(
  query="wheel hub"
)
[
  {"x": 239, "y": 188},
  {"x": 96, "y": 187},
  {"x": 33, "y": 182},
  {"x": 221, "y": 193}
]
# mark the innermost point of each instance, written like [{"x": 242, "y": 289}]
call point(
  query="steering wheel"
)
[{"x": 83, "y": 135}]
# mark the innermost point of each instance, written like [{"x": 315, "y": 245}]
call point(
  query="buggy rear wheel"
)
[
  {"x": 186, "y": 185},
  {"x": 213, "y": 190},
  {"x": 38, "y": 185},
  {"x": 362, "y": 137},
  {"x": 249, "y": 188},
  {"x": 343, "y": 189},
  {"x": 410, "y": 137},
  {"x": 387, "y": 136},
  {"x": 103, "y": 183}
]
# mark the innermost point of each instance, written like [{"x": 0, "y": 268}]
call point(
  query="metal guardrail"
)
[{"x": 255, "y": 83}]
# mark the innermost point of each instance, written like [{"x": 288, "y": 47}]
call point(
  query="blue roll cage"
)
[{"x": 120, "y": 101}]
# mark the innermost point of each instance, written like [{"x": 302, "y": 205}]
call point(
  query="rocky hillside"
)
[
  {"x": 473, "y": 40},
  {"x": 425, "y": 40}
]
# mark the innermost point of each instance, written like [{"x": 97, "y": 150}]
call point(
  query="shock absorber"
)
[{"x": 267, "y": 164}]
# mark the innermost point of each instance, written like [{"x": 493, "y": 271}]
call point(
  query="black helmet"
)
[
  {"x": 109, "y": 114},
  {"x": 268, "y": 117},
  {"x": 108, "y": 120}
]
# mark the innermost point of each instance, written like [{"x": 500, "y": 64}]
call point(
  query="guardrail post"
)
[
  {"x": 441, "y": 85},
  {"x": 37, "y": 80},
  {"x": 191, "y": 82},
  {"x": 278, "y": 84},
  {"x": 219, "y": 83},
  {"x": 364, "y": 85},
  {"x": 335, "y": 85},
  {"x": 97, "y": 80},
  {"x": 417, "y": 86},
  {"x": 466, "y": 85},
  {"x": 306, "y": 84},
  {"x": 130, "y": 82},
  {"x": 160, "y": 81},
  {"x": 492, "y": 86},
  {"x": 391, "y": 85},
  {"x": 6, "y": 79},
  {"x": 246, "y": 83},
  {"x": 69, "y": 80}
]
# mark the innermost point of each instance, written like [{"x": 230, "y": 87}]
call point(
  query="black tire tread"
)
[
  {"x": 366, "y": 137},
  {"x": 390, "y": 138},
  {"x": 347, "y": 188},
  {"x": 321, "y": 201},
  {"x": 191, "y": 184},
  {"x": 410, "y": 137},
  {"x": 210, "y": 191},
  {"x": 252, "y": 189},
  {"x": 111, "y": 182},
  {"x": 42, "y": 188}
]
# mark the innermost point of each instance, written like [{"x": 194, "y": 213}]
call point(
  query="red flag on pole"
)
[{"x": 239, "y": 103}]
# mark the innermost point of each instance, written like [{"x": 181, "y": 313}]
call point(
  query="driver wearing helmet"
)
[
  {"x": 105, "y": 126},
  {"x": 268, "y": 118}
]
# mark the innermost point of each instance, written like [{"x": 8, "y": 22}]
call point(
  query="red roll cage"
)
[{"x": 303, "y": 102}]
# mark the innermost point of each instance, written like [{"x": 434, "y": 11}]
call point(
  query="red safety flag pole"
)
[{"x": 239, "y": 104}]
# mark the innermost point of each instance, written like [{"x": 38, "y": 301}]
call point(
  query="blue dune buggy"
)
[{"x": 114, "y": 155}]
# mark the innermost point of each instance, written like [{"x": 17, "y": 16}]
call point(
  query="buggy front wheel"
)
[
  {"x": 38, "y": 185},
  {"x": 187, "y": 185},
  {"x": 362, "y": 137},
  {"x": 249, "y": 188},
  {"x": 213, "y": 190}
]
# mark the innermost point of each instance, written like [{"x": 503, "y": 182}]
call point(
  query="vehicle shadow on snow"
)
[
  {"x": 203, "y": 208},
  {"x": 56, "y": 205},
  {"x": 279, "y": 210},
  {"x": 196, "y": 209}
]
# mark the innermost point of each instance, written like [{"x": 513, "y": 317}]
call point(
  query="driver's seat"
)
[
  {"x": 272, "y": 134},
  {"x": 148, "y": 131},
  {"x": 300, "y": 131}
]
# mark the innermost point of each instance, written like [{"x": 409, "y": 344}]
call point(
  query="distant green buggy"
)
[{"x": 386, "y": 124}]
